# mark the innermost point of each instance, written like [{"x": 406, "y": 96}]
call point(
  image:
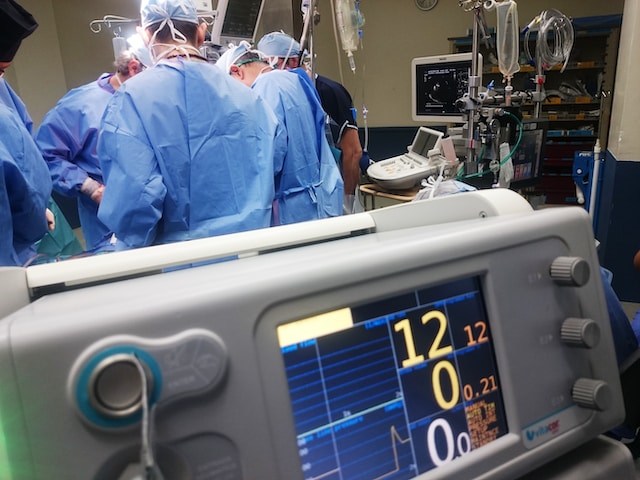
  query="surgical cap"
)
[
  {"x": 156, "y": 11},
  {"x": 279, "y": 44},
  {"x": 232, "y": 54},
  {"x": 139, "y": 49},
  {"x": 16, "y": 24}
]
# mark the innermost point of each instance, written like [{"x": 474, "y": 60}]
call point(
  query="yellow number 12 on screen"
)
[{"x": 435, "y": 350}]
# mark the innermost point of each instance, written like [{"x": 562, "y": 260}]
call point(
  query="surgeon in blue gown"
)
[
  {"x": 309, "y": 185},
  {"x": 11, "y": 100},
  {"x": 25, "y": 188},
  {"x": 25, "y": 185},
  {"x": 67, "y": 138},
  {"x": 284, "y": 52},
  {"x": 186, "y": 151}
]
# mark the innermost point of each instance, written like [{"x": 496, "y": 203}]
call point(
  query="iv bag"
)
[
  {"x": 349, "y": 20},
  {"x": 508, "y": 38},
  {"x": 119, "y": 46}
]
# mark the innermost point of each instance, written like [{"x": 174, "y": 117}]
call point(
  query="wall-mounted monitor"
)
[{"x": 436, "y": 83}]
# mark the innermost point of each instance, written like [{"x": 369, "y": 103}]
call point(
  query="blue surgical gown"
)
[
  {"x": 68, "y": 138},
  {"x": 308, "y": 184},
  {"x": 186, "y": 152},
  {"x": 10, "y": 99},
  {"x": 25, "y": 187}
]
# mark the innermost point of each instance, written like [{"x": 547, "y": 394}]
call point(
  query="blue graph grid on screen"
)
[{"x": 411, "y": 386}]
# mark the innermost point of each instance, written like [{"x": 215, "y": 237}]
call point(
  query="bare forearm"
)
[{"x": 351, "y": 153}]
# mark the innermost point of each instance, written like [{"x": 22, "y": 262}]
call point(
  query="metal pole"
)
[
  {"x": 470, "y": 164},
  {"x": 593, "y": 191}
]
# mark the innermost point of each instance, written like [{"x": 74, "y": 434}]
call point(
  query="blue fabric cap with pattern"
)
[{"x": 155, "y": 11}]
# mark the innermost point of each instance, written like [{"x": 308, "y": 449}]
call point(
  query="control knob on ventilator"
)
[
  {"x": 571, "y": 271},
  {"x": 593, "y": 394},
  {"x": 580, "y": 332}
]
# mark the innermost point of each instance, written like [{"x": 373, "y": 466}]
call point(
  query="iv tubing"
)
[{"x": 559, "y": 26}]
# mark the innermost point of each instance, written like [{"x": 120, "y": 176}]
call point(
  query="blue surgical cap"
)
[
  {"x": 155, "y": 11},
  {"x": 279, "y": 44}
]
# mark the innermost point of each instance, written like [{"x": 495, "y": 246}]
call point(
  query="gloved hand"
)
[
  {"x": 364, "y": 162},
  {"x": 347, "y": 204},
  {"x": 93, "y": 189}
]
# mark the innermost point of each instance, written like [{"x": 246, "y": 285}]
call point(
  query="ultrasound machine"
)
[
  {"x": 406, "y": 170},
  {"x": 463, "y": 337}
]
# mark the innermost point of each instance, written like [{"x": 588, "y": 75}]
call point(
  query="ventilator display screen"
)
[{"x": 394, "y": 388}]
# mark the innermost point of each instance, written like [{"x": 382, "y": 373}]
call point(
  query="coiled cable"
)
[{"x": 554, "y": 41}]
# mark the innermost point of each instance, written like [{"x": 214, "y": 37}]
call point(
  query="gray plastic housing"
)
[{"x": 242, "y": 426}]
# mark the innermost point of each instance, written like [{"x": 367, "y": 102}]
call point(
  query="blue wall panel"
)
[{"x": 619, "y": 225}]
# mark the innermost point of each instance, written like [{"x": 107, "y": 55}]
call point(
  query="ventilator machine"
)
[{"x": 462, "y": 337}]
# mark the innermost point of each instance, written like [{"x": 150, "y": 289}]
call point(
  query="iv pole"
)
[
  {"x": 474, "y": 84},
  {"x": 307, "y": 34}
]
